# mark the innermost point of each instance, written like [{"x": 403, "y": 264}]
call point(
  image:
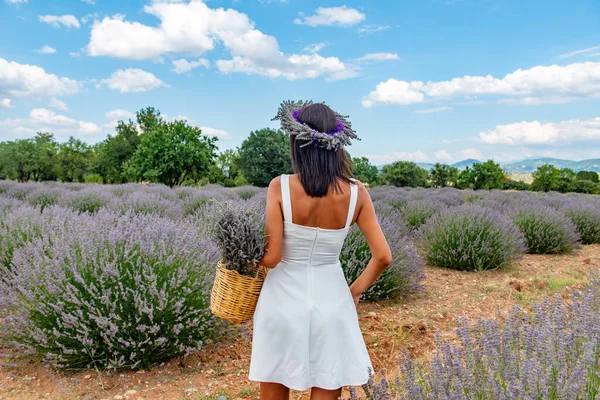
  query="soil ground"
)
[{"x": 388, "y": 327}]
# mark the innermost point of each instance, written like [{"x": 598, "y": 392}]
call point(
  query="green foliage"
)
[
  {"x": 442, "y": 175},
  {"x": 74, "y": 159},
  {"x": 404, "y": 174},
  {"x": 482, "y": 176},
  {"x": 172, "y": 152},
  {"x": 515, "y": 185},
  {"x": 264, "y": 155},
  {"x": 587, "y": 176},
  {"x": 545, "y": 178},
  {"x": 364, "y": 171},
  {"x": 16, "y": 159},
  {"x": 115, "y": 152},
  {"x": 566, "y": 180}
]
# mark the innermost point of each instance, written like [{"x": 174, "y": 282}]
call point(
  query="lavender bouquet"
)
[{"x": 238, "y": 234}]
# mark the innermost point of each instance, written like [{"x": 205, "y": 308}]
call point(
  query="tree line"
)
[{"x": 152, "y": 149}]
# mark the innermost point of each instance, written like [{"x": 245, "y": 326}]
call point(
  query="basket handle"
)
[{"x": 258, "y": 270}]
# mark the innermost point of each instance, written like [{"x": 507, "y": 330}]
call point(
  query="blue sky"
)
[{"x": 426, "y": 80}]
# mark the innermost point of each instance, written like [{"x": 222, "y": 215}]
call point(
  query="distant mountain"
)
[
  {"x": 530, "y": 165},
  {"x": 460, "y": 165},
  {"x": 466, "y": 163}
]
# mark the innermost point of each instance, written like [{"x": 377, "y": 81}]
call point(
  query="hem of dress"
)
[{"x": 302, "y": 389}]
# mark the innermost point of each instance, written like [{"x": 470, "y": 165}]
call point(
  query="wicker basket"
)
[{"x": 234, "y": 296}]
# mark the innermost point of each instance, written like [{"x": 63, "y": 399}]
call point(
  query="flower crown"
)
[{"x": 333, "y": 140}]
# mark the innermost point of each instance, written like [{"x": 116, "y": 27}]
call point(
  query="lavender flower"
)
[{"x": 469, "y": 237}]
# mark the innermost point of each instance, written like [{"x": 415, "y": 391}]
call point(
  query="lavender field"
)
[{"x": 119, "y": 276}]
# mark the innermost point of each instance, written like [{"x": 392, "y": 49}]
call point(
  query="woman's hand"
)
[
  {"x": 356, "y": 298},
  {"x": 355, "y": 294}
]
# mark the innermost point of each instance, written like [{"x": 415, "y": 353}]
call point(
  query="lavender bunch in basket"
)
[{"x": 238, "y": 234}]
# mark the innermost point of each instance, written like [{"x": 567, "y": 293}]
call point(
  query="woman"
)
[{"x": 306, "y": 332}]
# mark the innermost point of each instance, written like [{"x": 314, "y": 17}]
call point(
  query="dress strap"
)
[
  {"x": 353, "y": 201},
  {"x": 285, "y": 198}
]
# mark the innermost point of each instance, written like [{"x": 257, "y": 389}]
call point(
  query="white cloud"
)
[
  {"x": 30, "y": 81},
  {"x": 444, "y": 156},
  {"x": 395, "y": 92},
  {"x": 536, "y": 133},
  {"x": 58, "y": 104},
  {"x": 92, "y": 2},
  {"x": 182, "y": 66},
  {"x": 119, "y": 114},
  {"x": 332, "y": 16},
  {"x": 69, "y": 21},
  {"x": 569, "y": 82},
  {"x": 74, "y": 54},
  {"x": 315, "y": 47},
  {"x": 6, "y": 103},
  {"x": 470, "y": 153},
  {"x": 15, "y": 1},
  {"x": 133, "y": 80},
  {"x": 193, "y": 28},
  {"x": 374, "y": 57},
  {"x": 382, "y": 159},
  {"x": 46, "y": 50},
  {"x": 367, "y": 30},
  {"x": 214, "y": 132},
  {"x": 582, "y": 51},
  {"x": 44, "y": 120},
  {"x": 432, "y": 110}
]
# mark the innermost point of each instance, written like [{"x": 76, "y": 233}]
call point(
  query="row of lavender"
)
[
  {"x": 119, "y": 276},
  {"x": 551, "y": 352}
]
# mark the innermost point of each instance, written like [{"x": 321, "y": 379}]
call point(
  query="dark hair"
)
[{"x": 320, "y": 170}]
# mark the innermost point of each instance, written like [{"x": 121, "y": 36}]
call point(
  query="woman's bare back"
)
[{"x": 329, "y": 212}]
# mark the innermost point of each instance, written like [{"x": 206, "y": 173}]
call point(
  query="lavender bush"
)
[
  {"x": 111, "y": 291},
  {"x": 407, "y": 271},
  {"x": 238, "y": 236},
  {"x": 550, "y": 353},
  {"x": 586, "y": 219},
  {"x": 416, "y": 212},
  {"x": 546, "y": 230},
  {"x": 470, "y": 237}
]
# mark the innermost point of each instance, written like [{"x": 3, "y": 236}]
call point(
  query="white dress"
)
[{"x": 306, "y": 331}]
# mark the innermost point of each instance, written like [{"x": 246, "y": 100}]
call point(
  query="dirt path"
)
[{"x": 387, "y": 327}]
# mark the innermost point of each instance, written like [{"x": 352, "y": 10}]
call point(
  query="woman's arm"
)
[
  {"x": 273, "y": 226},
  {"x": 381, "y": 255}
]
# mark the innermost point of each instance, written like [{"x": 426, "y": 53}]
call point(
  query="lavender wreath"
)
[{"x": 334, "y": 140}]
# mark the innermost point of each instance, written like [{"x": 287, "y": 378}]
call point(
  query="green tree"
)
[
  {"x": 116, "y": 151},
  {"x": 443, "y": 175},
  {"x": 482, "y": 176},
  {"x": 566, "y": 180},
  {"x": 16, "y": 159},
  {"x": 364, "y": 171},
  {"x": 264, "y": 155},
  {"x": 74, "y": 160},
  {"x": 45, "y": 160},
  {"x": 148, "y": 119},
  {"x": 545, "y": 178},
  {"x": 404, "y": 173},
  {"x": 587, "y": 176},
  {"x": 172, "y": 153}
]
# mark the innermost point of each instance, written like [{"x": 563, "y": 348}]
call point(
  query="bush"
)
[
  {"x": 546, "y": 230},
  {"x": 45, "y": 196},
  {"x": 407, "y": 271},
  {"x": 470, "y": 237},
  {"x": 415, "y": 212},
  {"x": 550, "y": 353},
  {"x": 111, "y": 291},
  {"x": 238, "y": 237},
  {"x": 587, "y": 220},
  {"x": 89, "y": 201}
]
